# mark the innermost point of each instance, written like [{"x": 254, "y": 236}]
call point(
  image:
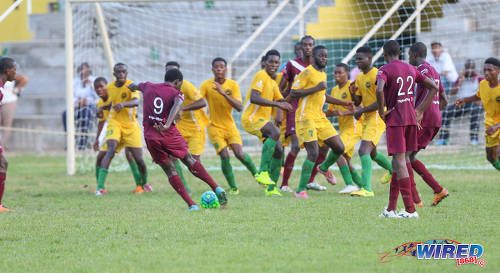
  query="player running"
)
[
  {"x": 223, "y": 95},
  {"x": 123, "y": 130},
  {"x": 264, "y": 94},
  {"x": 431, "y": 121},
  {"x": 489, "y": 94},
  {"x": 395, "y": 86},
  {"x": 161, "y": 103},
  {"x": 7, "y": 73},
  {"x": 312, "y": 125}
]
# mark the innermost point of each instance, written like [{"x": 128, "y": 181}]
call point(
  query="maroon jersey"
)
[
  {"x": 291, "y": 70},
  {"x": 158, "y": 100},
  {"x": 432, "y": 116},
  {"x": 400, "y": 79}
]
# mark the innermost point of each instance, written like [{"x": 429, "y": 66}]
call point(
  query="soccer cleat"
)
[
  {"x": 285, "y": 189},
  {"x": 389, "y": 214},
  {"x": 386, "y": 178},
  {"x": 138, "y": 190},
  {"x": 273, "y": 192},
  {"x": 3, "y": 209},
  {"x": 438, "y": 197},
  {"x": 101, "y": 192},
  {"x": 234, "y": 191},
  {"x": 194, "y": 208},
  {"x": 301, "y": 195},
  {"x": 221, "y": 195},
  {"x": 330, "y": 178},
  {"x": 420, "y": 205},
  {"x": 363, "y": 193},
  {"x": 148, "y": 187},
  {"x": 348, "y": 189},
  {"x": 264, "y": 178},
  {"x": 315, "y": 186},
  {"x": 404, "y": 214}
]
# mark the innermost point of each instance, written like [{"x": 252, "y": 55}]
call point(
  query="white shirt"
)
[
  {"x": 84, "y": 92},
  {"x": 468, "y": 87},
  {"x": 444, "y": 63},
  {"x": 8, "y": 93}
]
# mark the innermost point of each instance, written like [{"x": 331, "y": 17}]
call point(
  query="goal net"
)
[{"x": 146, "y": 34}]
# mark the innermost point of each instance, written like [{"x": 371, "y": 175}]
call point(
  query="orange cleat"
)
[
  {"x": 438, "y": 197},
  {"x": 138, "y": 190},
  {"x": 3, "y": 209}
]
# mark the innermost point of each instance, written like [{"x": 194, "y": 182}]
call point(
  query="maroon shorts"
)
[
  {"x": 290, "y": 119},
  {"x": 425, "y": 136},
  {"x": 171, "y": 145},
  {"x": 401, "y": 139}
]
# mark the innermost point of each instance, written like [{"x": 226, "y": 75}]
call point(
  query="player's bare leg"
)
[
  {"x": 493, "y": 156},
  {"x": 402, "y": 183},
  {"x": 312, "y": 150},
  {"x": 439, "y": 192},
  {"x": 176, "y": 183},
  {"x": 3, "y": 175},
  {"x": 137, "y": 155}
]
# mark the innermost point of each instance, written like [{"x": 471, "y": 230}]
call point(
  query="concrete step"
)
[
  {"x": 43, "y": 104},
  {"x": 47, "y": 26},
  {"x": 48, "y": 80}
]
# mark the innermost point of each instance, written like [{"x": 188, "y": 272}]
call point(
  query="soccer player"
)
[
  {"x": 312, "y": 125},
  {"x": 123, "y": 130},
  {"x": 489, "y": 94},
  {"x": 161, "y": 103},
  {"x": 264, "y": 94},
  {"x": 373, "y": 125},
  {"x": 223, "y": 95},
  {"x": 350, "y": 128},
  {"x": 7, "y": 73},
  {"x": 430, "y": 124},
  {"x": 292, "y": 69},
  {"x": 103, "y": 107},
  {"x": 193, "y": 120},
  {"x": 395, "y": 86}
]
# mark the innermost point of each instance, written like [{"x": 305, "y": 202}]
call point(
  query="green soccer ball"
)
[{"x": 209, "y": 200}]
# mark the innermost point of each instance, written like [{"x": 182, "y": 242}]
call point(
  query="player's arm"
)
[
  {"x": 195, "y": 105},
  {"x": 256, "y": 98},
  {"x": 100, "y": 125},
  {"x": 492, "y": 129},
  {"x": 134, "y": 87},
  {"x": 331, "y": 100},
  {"x": 380, "y": 97},
  {"x": 299, "y": 93},
  {"x": 283, "y": 84},
  {"x": 433, "y": 90},
  {"x": 236, "y": 104},
  {"x": 127, "y": 104},
  {"x": 176, "y": 107},
  {"x": 443, "y": 102},
  {"x": 462, "y": 101},
  {"x": 355, "y": 98}
]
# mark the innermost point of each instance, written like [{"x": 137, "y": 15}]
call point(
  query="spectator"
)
[
  {"x": 8, "y": 105},
  {"x": 443, "y": 64},
  {"x": 466, "y": 86},
  {"x": 84, "y": 102}
]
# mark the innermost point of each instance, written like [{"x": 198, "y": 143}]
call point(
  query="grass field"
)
[{"x": 58, "y": 225}]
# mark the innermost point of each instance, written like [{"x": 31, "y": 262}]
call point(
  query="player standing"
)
[
  {"x": 123, "y": 130},
  {"x": 223, "y": 95},
  {"x": 395, "y": 86},
  {"x": 312, "y": 125},
  {"x": 264, "y": 94},
  {"x": 489, "y": 94},
  {"x": 431, "y": 120},
  {"x": 373, "y": 125},
  {"x": 7, "y": 73},
  {"x": 161, "y": 103}
]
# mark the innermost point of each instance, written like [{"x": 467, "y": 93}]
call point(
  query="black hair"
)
[
  {"x": 297, "y": 44},
  {"x": 219, "y": 59},
  {"x": 365, "y": 50},
  {"x": 420, "y": 49},
  {"x": 173, "y": 74},
  {"x": 263, "y": 59},
  {"x": 6, "y": 63},
  {"x": 100, "y": 79},
  {"x": 318, "y": 48},
  {"x": 470, "y": 62},
  {"x": 272, "y": 52},
  {"x": 343, "y": 65},
  {"x": 493, "y": 61},
  {"x": 120, "y": 64},
  {"x": 436, "y": 43},
  {"x": 307, "y": 37},
  {"x": 173, "y": 63},
  {"x": 80, "y": 67},
  {"x": 391, "y": 48}
]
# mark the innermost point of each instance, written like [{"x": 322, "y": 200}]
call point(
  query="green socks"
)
[
  {"x": 275, "y": 169},
  {"x": 356, "y": 178},
  {"x": 136, "y": 174},
  {"x": 247, "y": 161},
  {"x": 307, "y": 168},
  {"x": 383, "y": 161},
  {"x": 346, "y": 174},
  {"x": 366, "y": 174},
  {"x": 496, "y": 164},
  {"x": 329, "y": 161},
  {"x": 97, "y": 172},
  {"x": 180, "y": 173},
  {"x": 267, "y": 154},
  {"x": 227, "y": 170},
  {"x": 101, "y": 178}
]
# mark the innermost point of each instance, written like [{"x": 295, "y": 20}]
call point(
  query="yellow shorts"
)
[
  {"x": 373, "y": 128},
  {"x": 222, "y": 137},
  {"x": 349, "y": 140},
  {"x": 314, "y": 130},
  {"x": 195, "y": 137},
  {"x": 493, "y": 140},
  {"x": 253, "y": 127},
  {"x": 104, "y": 147},
  {"x": 127, "y": 136},
  {"x": 285, "y": 140}
]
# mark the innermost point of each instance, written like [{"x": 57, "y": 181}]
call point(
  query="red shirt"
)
[
  {"x": 158, "y": 100},
  {"x": 291, "y": 70},
  {"x": 400, "y": 79},
  {"x": 432, "y": 116}
]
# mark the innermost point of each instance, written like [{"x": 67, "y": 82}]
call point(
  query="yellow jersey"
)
[
  {"x": 346, "y": 123},
  {"x": 367, "y": 88},
  {"x": 127, "y": 115},
  {"x": 491, "y": 102},
  {"x": 219, "y": 109},
  {"x": 310, "y": 107},
  {"x": 196, "y": 117},
  {"x": 268, "y": 89},
  {"x": 105, "y": 112}
]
